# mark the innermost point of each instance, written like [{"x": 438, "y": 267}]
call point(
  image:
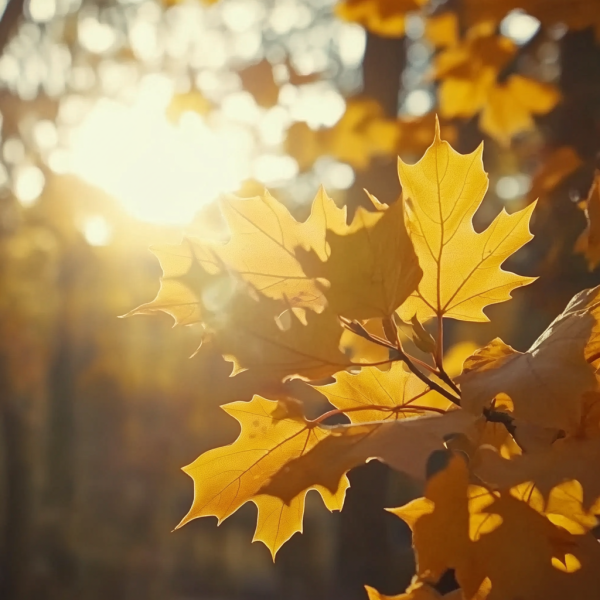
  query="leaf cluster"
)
[{"x": 511, "y": 505}]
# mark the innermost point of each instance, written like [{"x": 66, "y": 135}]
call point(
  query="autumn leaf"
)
[
  {"x": 272, "y": 433},
  {"x": 567, "y": 460},
  {"x": 576, "y": 14},
  {"x": 402, "y": 444},
  {"x": 546, "y": 384},
  {"x": 249, "y": 329},
  {"x": 362, "y": 133},
  {"x": 441, "y": 30},
  {"x": 373, "y": 395},
  {"x": 556, "y": 167},
  {"x": 469, "y": 85},
  {"x": 462, "y": 268},
  {"x": 509, "y": 107},
  {"x": 266, "y": 226},
  {"x": 383, "y": 17},
  {"x": 475, "y": 531},
  {"x": 589, "y": 241},
  {"x": 372, "y": 267}
]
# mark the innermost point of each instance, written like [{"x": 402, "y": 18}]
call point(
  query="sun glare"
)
[{"x": 161, "y": 172}]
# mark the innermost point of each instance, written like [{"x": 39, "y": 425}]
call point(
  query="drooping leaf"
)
[
  {"x": 403, "y": 444},
  {"x": 261, "y": 249},
  {"x": 372, "y": 267},
  {"x": 462, "y": 268},
  {"x": 249, "y": 329},
  {"x": 546, "y": 384},
  {"x": 272, "y": 433},
  {"x": 373, "y": 395},
  {"x": 477, "y": 532},
  {"x": 569, "y": 460}
]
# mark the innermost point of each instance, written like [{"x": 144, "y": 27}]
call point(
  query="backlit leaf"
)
[
  {"x": 477, "y": 532},
  {"x": 371, "y": 268},
  {"x": 462, "y": 268},
  {"x": 373, "y": 395},
  {"x": 272, "y": 433},
  {"x": 546, "y": 384}
]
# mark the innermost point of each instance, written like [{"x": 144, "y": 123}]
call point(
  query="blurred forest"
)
[{"x": 122, "y": 121}]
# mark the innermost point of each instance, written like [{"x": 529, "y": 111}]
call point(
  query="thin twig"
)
[
  {"x": 358, "y": 329},
  {"x": 409, "y": 407}
]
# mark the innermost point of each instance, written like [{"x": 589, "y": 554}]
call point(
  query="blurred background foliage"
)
[{"x": 121, "y": 122}]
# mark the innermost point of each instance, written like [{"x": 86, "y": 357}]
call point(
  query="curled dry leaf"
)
[
  {"x": 546, "y": 384},
  {"x": 462, "y": 268}
]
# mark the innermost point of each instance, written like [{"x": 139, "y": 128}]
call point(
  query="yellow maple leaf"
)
[
  {"x": 442, "y": 30},
  {"x": 267, "y": 227},
  {"x": 403, "y": 444},
  {"x": 383, "y": 17},
  {"x": 462, "y": 268},
  {"x": 546, "y": 384},
  {"x": 362, "y": 133},
  {"x": 272, "y": 433},
  {"x": 249, "y": 329},
  {"x": 371, "y": 268},
  {"x": 469, "y": 84},
  {"x": 509, "y": 107},
  {"x": 576, "y": 14},
  {"x": 589, "y": 241},
  {"x": 567, "y": 460},
  {"x": 373, "y": 395},
  {"x": 475, "y": 531}
]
